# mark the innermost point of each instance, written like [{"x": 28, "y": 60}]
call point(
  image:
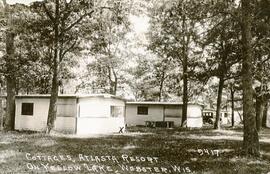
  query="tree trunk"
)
[
  {"x": 232, "y": 105},
  {"x": 185, "y": 42},
  {"x": 1, "y": 114},
  {"x": 111, "y": 82},
  {"x": 115, "y": 82},
  {"x": 1, "y": 109},
  {"x": 115, "y": 86},
  {"x": 53, "y": 102},
  {"x": 185, "y": 92},
  {"x": 161, "y": 86},
  {"x": 10, "y": 105},
  {"x": 251, "y": 144},
  {"x": 55, "y": 86},
  {"x": 11, "y": 82},
  {"x": 10, "y": 71},
  {"x": 219, "y": 100},
  {"x": 259, "y": 111},
  {"x": 264, "y": 118}
]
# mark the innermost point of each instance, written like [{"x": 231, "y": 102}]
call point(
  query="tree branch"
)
[
  {"x": 82, "y": 17},
  {"x": 66, "y": 12},
  {"x": 67, "y": 50},
  {"x": 48, "y": 12},
  {"x": 77, "y": 21}
]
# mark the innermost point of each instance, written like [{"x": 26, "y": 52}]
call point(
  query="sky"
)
[{"x": 140, "y": 23}]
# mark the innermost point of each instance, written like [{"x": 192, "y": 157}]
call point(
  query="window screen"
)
[
  {"x": 142, "y": 110},
  {"x": 117, "y": 111},
  {"x": 172, "y": 111},
  {"x": 27, "y": 108}
]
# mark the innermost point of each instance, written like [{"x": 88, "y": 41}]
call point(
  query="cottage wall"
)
[
  {"x": 194, "y": 116},
  {"x": 173, "y": 113},
  {"x": 66, "y": 115},
  {"x": 95, "y": 115},
  {"x": 65, "y": 120},
  {"x": 97, "y": 106},
  {"x": 35, "y": 122},
  {"x": 164, "y": 112},
  {"x": 155, "y": 113}
]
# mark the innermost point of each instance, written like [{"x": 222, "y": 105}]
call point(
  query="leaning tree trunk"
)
[
  {"x": 115, "y": 84},
  {"x": 112, "y": 85},
  {"x": 251, "y": 144},
  {"x": 219, "y": 100},
  {"x": 55, "y": 86}
]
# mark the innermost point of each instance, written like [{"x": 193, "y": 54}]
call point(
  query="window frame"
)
[
  {"x": 25, "y": 110},
  {"x": 142, "y": 112}
]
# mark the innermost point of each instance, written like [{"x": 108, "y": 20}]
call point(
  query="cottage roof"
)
[
  {"x": 158, "y": 103},
  {"x": 69, "y": 96}
]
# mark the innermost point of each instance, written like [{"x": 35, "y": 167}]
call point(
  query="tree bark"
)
[
  {"x": 115, "y": 83},
  {"x": 264, "y": 118},
  {"x": 185, "y": 91},
  {"x": 1, "y": 114},
  {"x": 219, "y": 100},
  {"x": 259, "y": 111},
  {"x": 1, "y": 109},
  {"x": 161, "y": 86},
  {"x": 55, "y": 86},
  {"x": 251, "y": 140},
  {"x": 9, "y": 122},
  {"x": 185, "y": 42},
  {"x": 53, "y": 101},
  {"x": 10, "y": 72},
  {"x": 232, "y": 105},
  {"x": 11, "y": 83}
]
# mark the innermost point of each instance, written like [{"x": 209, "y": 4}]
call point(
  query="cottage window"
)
[
  {"x": 117, "y": 111},
  {"x": 66, "y": 110},
  {"x": 27, "y": 108},
  {"x": 142, "y": 110},
  {"x": 172, "y": 111}
]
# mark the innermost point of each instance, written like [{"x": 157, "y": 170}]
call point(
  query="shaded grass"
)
[{"x": 180, "y": 147}]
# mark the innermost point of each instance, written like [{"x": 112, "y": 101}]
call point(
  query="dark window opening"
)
[
  {"x": 142, "y": 110},
  {"x": 27, "y": 108}
]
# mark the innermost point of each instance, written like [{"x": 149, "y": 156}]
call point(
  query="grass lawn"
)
[{"x": 140, "y": 150}]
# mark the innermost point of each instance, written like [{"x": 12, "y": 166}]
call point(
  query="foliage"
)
[{"x": 107, "y": 47}]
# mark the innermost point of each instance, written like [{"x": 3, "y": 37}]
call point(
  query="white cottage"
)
[
  {"x": 142, "y": 113},
  {"x": 76, "y": 114}
]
